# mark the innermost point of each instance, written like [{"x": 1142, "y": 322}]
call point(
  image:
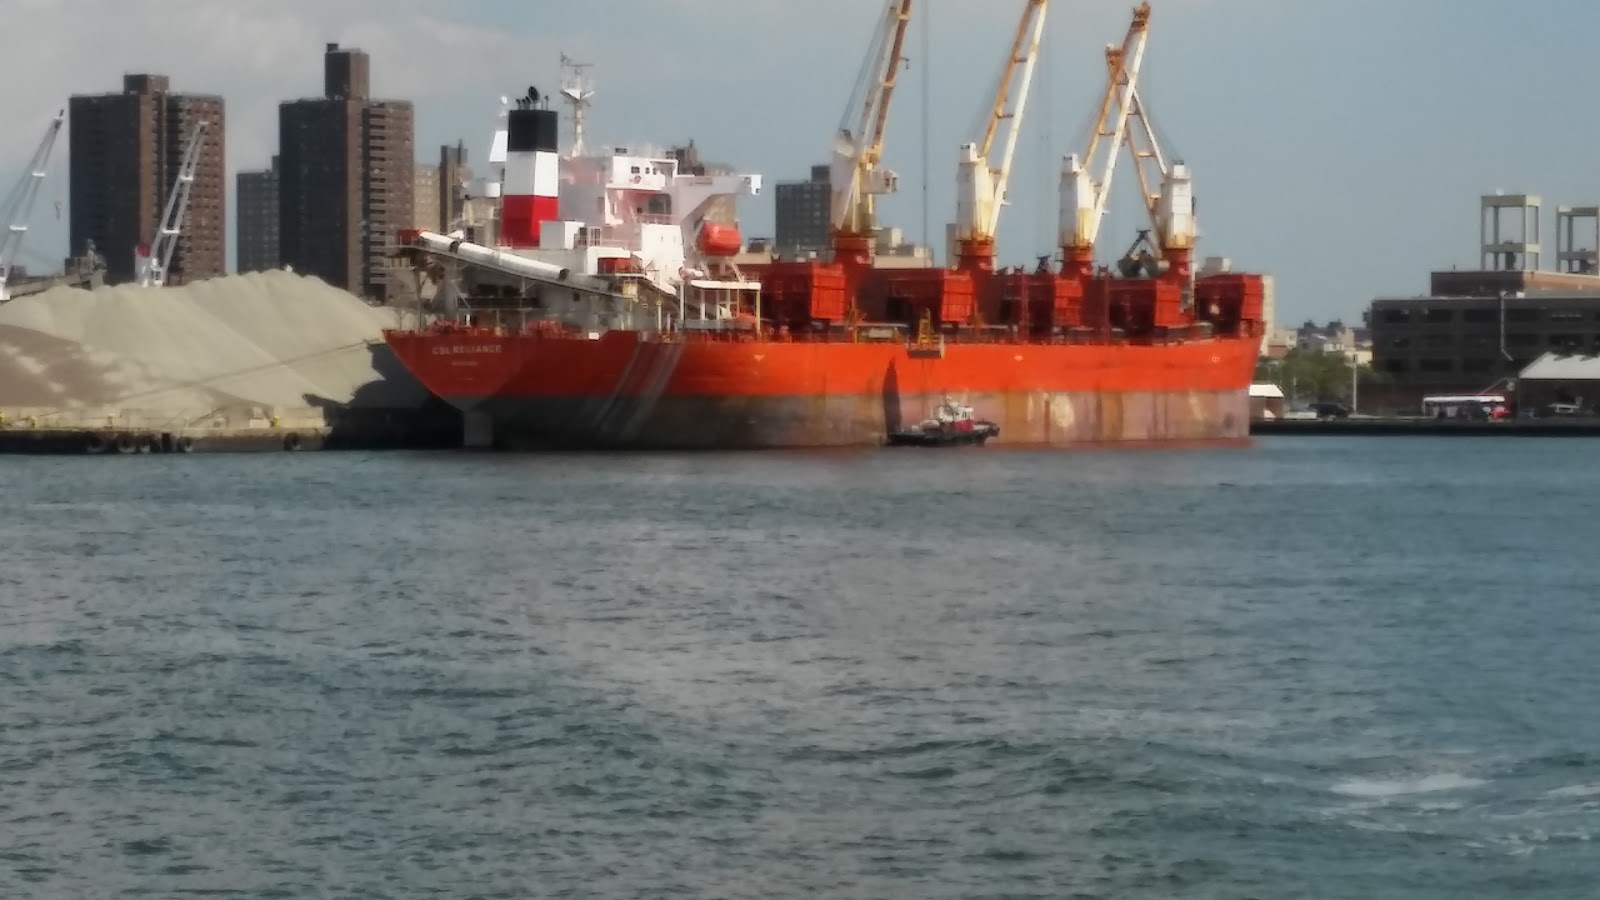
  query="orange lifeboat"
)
[{"x": 718, "y": 239}]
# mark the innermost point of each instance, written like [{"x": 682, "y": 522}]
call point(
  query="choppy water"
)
[{"x": 1315, "y": 668}]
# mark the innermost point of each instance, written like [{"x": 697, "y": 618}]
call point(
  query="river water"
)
[{"x": 1313, "y": 667}]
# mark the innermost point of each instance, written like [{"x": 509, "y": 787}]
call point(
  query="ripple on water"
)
[{"x": 1131, "y": 675}]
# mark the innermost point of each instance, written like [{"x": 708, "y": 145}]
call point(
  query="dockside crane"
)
[
  {"x": 1084, "y": 197},
  {"x": 18, "y": 207},
  {"x": 151, "y": 263},
  {"x": 855, "y": 174},
  {"x": 981, "y": 187}
]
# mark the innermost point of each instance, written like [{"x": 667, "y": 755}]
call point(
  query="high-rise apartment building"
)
[
  {"x": 454, "y": 174},
  {"x": 256, "y": 220},
  {"x": 425, "y": 199},
  {"x": 804, "y": 209},
  {"x": 347, "y": 173},
  {"x": 125, "y": 153}
]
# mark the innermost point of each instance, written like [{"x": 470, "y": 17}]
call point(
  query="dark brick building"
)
[
  {"x": 1476, "y": 328},
  {"x": 256, "y": 220},
  {"x": 346, "y": 176},
  {"x": 803, "y": 215},
  {"x": 125, "y": 152}
]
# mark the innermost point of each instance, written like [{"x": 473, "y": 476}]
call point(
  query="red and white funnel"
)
[{"x": 531, "y": 192}]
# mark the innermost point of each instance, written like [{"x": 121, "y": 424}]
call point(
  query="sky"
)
[{"x": 1339, "y": 145}]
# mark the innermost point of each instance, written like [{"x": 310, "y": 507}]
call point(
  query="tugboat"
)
[{"x": 951, "y": 425}]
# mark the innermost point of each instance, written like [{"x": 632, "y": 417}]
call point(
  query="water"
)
[{"x": 1319, "y": 668}]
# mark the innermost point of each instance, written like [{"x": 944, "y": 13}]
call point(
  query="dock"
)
[
  {"x": 431, "y": 426},
  {"x": 1417, "y": 426}
]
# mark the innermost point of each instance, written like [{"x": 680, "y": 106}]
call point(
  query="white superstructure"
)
[{"x": 637, "y": 208}]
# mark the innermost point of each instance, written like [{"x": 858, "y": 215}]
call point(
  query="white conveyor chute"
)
[{"x": 508, "y": 263}]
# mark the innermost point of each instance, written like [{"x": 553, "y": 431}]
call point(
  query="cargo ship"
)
[{"x": 610, "y": 301}]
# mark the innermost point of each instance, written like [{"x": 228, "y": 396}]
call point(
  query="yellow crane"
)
[
  {"x": 981, "y": 187},
  {"x": 855, "y": 173},
  {"x": 1083, "y": 197}
]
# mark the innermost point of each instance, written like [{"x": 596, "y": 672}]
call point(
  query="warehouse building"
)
[{"x": 1477, "y": 328}]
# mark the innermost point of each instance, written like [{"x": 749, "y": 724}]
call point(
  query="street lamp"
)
[{"x": 1354, "y": 385}]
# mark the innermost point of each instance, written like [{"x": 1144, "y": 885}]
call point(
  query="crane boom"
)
[
  {"x": 153, "y": 267},
  {"x": 981, "y": 189},
  {"x": 855, "y": 174},
  {"x": 1084, "y": 198},
  {"x": 19, "y": 203},
  {"x": 1167, "y": 192}
]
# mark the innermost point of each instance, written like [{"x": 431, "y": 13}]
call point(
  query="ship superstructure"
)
[{"x": 641, "y": 217}]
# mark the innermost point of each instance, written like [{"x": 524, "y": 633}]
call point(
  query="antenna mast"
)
[{"x": 577, "y": 89}]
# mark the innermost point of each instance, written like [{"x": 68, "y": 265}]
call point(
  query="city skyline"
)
[{"x": 1342, "y": 149}]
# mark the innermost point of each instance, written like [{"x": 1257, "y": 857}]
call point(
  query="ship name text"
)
[{"x": 463, "y": 349}]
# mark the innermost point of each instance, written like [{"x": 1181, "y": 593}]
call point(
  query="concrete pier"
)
[{"x": 1421, "y": 427}]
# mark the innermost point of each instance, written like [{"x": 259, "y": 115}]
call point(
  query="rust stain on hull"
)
[{"x": 727, "y": 423}]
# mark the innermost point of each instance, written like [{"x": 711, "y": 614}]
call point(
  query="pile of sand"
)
[{"x": 274, "y": 341}]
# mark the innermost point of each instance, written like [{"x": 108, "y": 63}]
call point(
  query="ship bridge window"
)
[
  {"x": 658, "y": 205},
  {"x": 635, "y": 171}
]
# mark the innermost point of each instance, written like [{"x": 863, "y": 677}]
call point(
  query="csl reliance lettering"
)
[{"x": 457, "y": 349}]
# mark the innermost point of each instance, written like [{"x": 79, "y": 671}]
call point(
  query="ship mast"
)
[
  {"x": 855, "y": 175},
  {"x": 578, "y": 90},
  {"x": 980, "y": 188}
]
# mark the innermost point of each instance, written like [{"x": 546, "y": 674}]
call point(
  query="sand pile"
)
[{"x": 273, "y": 341}]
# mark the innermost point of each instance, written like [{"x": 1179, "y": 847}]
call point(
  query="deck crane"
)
[
  {"x": 855, "y": 175},
  {"x": 1083, "y": 197},
  {"x": 981, "y": 188},
  {"x": 151, "y": 264},
  {"x": 1167, "y": 193},
  {"x": 19, "y": 204}
]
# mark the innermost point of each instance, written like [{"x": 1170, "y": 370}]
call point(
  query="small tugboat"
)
[{"x": 951, "y": 425}]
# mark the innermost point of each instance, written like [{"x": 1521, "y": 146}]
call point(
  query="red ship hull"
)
[{"x": 627, "y": 390}]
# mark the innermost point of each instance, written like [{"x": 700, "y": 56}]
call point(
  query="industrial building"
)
[
  {"x": 1557, "y": 380},
  {"x": 126, "y": 151},
  {"x": 256, "y": 220},
  {"x": 346, "y": 178},
  {"x": 1476, "y": 328}
]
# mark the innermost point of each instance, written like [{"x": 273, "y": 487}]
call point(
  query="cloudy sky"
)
[{"x": 1339, "y": 144}]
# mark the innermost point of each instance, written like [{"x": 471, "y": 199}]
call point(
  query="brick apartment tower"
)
[
  {"x": 345, "y": 178},
  {"x": 125, "y": 151},
  {"x": 256, "y": 220}
]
